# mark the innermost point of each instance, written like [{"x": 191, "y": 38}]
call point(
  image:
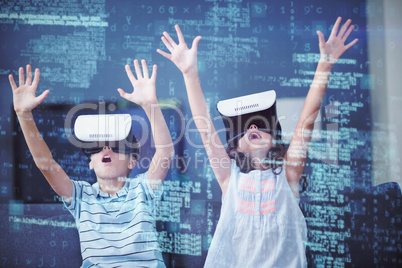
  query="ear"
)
[
  {"x": 132, "y": 162},
  {"x": 233, "y": 153},
  {"x": 91, "y": 165}
]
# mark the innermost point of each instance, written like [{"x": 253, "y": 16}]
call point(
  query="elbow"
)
[
  {"x": 166, "y": 152},
  {"x": 170, "y": 152}
]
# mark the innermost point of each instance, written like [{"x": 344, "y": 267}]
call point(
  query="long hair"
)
[{"x": 273, "y": 160}]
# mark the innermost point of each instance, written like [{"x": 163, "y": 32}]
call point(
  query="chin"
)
[{"x": 106, "y": 174}]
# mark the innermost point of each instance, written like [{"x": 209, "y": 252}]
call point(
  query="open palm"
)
[
  {"x": 24, "y": 96},
  {"x": 333, "y": 49},
  {"x": 144, "y": 92},
  {"x": 184, "y": 58}
]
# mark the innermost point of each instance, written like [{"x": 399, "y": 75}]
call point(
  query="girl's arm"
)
[
  {"x": 186, "y": 60},
  {"x": 144, "y": 94},
  {"x": 25, "y": 101},
  {"x": 330, "y": 52}
]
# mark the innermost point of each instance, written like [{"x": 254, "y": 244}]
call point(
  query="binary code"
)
[{"x": 351, "y": 198}]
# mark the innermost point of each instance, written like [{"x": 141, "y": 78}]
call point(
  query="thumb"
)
[
  {"x": 42, "y": 96},
  {"x": 321, "y": 39},
  {"x": 195, "y": 43},
  {"x": 122, "y": 93}
]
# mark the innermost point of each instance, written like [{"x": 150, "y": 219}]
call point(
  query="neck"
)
[
  {"x": 258, "y": 158},
  {"x": 258, "y": 163},
  {"x": 111, "y": 186}
]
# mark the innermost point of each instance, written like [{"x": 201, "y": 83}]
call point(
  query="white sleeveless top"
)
[{"x": 261, "y": 224}]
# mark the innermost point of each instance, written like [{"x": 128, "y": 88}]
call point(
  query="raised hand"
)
[
  {"x": 184, "y": 58},
  {"x": 144, "y": 86},
  {"x": 24, "y": 96},
  {"x": 333, "y": 49}
]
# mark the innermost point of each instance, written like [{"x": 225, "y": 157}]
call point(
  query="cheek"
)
[
  {"x": 92, "y": 162},
  {"x": 242, "y": 145},
  {"x": 268, "y": 138}
]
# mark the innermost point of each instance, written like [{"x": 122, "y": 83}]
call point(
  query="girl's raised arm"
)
[{"x": 330, "y": 52}]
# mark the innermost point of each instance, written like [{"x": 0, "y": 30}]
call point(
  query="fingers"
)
[
  {"x": 344, "y": 28},
  {"x": 137, "y": 69},
  {"x": 179, "y": 34},
  {"x": 195, "y": 43},
  {"x": 36, "y": 78},
  {"x": 351, "y": 44},
  {"x": 12, "y": 82},
  {"x": 145, "y": 69},
  {"x": 167, "y": 44},
  {"x": 130, "y": 74},
  {"x": 154, "y": 71},
  {"x": 336, "y": 26},
  {"x": 139, "y": 74},
  {"x": 29, "y": 75},
  {"x": 169, "y": 39},
  {"x": 350, "y": 29},
  {"x": 21, "y": 76},
  {"x": 163, "y": 53}
]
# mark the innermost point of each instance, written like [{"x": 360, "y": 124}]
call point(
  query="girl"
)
[{"x": 261, "y": 224}]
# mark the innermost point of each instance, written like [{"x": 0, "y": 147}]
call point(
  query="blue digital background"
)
[{"x": 81, "y": 48}]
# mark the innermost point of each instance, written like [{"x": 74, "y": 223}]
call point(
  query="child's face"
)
[
  {"x": 255, "y": 143},
  {"x": 110, "y": 165}
]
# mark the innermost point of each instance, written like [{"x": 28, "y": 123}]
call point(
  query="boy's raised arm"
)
[
  {"x": 144, "y": 94},
  {"x": 186, "y": 60},
  {"x": 330, "y": 52},
  {"x": 25, "y": 100}
]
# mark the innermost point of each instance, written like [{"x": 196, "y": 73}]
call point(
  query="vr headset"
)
[
  {"x": 238, "y": 114},
  {"x": 100, "y": 130}
]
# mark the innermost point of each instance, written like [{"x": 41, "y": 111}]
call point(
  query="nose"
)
[
  {"x": 106, "y": 148},
  {"x": 253, "y": 126}
]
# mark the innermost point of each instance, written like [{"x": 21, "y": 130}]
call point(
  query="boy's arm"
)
[
  {"x": 330, "y": 51},
  {"x": 144, "y": 94},
  {"x": 186, "y": 60},
  {"x": 25, "y": 101}
]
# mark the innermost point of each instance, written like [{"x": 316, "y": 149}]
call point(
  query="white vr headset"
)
[
  {"x": 239, "y": 113},
  {"x": 113, "y": 130}
]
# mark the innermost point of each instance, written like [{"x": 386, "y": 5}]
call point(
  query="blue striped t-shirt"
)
[{"x": 119, "y": 230}]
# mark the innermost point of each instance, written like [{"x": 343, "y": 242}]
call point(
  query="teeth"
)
[{"x": 106, "y": 158}]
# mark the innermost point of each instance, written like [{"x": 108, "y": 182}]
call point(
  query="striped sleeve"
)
[{"x": 76, "y": 197}]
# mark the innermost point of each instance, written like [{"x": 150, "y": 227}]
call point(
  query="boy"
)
[{"x": 114, "y": 216}]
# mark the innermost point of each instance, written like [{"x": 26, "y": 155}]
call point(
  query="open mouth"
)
[
  {"x": 106, "y": 159},
  {"x": 254, "y": 135}
]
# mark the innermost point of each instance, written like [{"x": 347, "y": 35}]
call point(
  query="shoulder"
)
[
  {"x": 88, "y": 191},
  {"x": 234, "y": 174},
  {"x": 83, "y": 185},
  {"x": 283, "y": 179},
  {"x": 136, "y": 181},
  {"x": 234, "y": 169},
  {"x": 139, "y": 183}
]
